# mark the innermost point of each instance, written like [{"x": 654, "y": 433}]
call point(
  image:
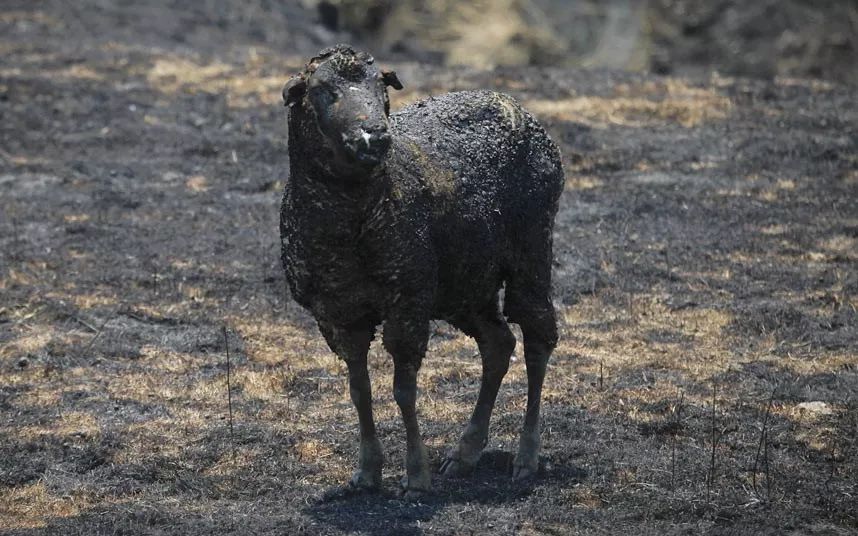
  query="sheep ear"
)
[
  {"x": 294, "y": 90},
  {"x": 391, "y": 79}
]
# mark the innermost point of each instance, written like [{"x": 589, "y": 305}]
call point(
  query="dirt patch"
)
[{"x": 705, "y": 281}]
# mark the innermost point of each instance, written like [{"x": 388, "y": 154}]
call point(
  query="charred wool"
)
[{"x": 424, "y": 214}]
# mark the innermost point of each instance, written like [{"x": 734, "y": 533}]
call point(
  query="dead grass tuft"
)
[
  {"x": 245, "y": 87},
  {"x": 671, "y": 101},
  {"x": 32, "y": 506}
]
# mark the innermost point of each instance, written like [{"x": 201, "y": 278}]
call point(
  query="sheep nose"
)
[{"x": 375, "y": 137}]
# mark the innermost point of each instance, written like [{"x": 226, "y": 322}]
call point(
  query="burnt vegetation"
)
[{"x": 705, "y": 288}]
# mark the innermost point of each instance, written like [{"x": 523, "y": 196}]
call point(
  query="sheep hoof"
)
[
  {"x": 456, "y": 468},
  {"x": 365, "y": 481},
  {"x": 410, "y": 492},
  {"x": 526, "y": 464},
  {"x": 522, "y": 472}
]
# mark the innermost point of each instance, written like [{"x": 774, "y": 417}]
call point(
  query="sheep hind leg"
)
[
  {"x": 496, "y": 343},
  {"x": 528, "y": 303},
  {"x": 537, "y": 350}
]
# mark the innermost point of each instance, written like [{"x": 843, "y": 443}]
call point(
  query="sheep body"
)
[
  {"x": 421, "y": 215},
  {"x": 471, "y": 181}
]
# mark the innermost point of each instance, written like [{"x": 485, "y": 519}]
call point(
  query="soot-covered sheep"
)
[{"x": 420, "y": 215}]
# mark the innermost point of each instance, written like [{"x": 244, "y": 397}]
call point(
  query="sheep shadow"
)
[{"x": 385, "y": 513}]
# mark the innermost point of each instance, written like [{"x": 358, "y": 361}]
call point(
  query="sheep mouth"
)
[
  {"x": 368, "y": 154},
  {"x": 370, "y": 158}
]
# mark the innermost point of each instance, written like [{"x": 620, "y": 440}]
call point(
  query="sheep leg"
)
[
  {"x": 417, "y": 478},
  {"x": 540, "y": 339},
  {"x": 352, "y": 345},
  {"x": 496, "y": 343},
  {"x": 371, "y": 460},
  {"x": 528, "y": 303},
  {"x": 407, "y": 352}
]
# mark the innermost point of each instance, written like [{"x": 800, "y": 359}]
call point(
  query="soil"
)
[{"x": 706, "y": 281}]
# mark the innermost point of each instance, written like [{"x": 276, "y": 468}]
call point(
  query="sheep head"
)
[{"x": 347, "y": 95}]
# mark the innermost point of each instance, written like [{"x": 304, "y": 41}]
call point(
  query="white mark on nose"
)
[
  {"x": 354, "y": 88},
  {"x": 366, "y": 137}
]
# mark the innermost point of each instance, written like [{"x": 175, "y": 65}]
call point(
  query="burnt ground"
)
[{"x": 706, "y": 280}]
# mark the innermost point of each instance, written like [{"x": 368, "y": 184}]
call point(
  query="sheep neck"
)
[
  {"x": 310, "y": 151},
  {"x": 347, "y": 192}
]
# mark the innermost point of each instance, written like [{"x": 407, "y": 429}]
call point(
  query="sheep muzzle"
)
[{"x": 370, "y": 145}]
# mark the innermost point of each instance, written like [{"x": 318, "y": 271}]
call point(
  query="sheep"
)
[{"x": 418, "y": 216}]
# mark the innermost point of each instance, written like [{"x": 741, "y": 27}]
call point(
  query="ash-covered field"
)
[{"x": 706, "y": 281}]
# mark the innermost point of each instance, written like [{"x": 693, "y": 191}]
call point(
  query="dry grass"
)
[
  {"x": 245, "y": 86},
  {"x": 688, "y": 257},
  {"x": 32, "y": 506},
  {"x": 668, "y": 101}
]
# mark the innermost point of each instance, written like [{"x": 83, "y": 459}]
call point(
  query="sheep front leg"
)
[
  {"x": 408, "y": 346},
  {"x": 418, "y": 479},
  {"x": 352, "y": 345},
  {"x": 368, "y": 474}
]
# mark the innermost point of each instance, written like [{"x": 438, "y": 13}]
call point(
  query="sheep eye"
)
[{"x": 327, "y": 93}]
